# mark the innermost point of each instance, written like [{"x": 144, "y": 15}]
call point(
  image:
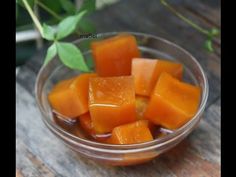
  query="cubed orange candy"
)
[
  {"x": 143, "y": 72},
  {"x": 113, "y": 55},
  {"x": 111, "y": 102},
  {"x": 132, "y": 133},
  {"x": 173, "y": 102},
  {"x": 70, "y": 97},
  {"x": 147, "y": 71}
]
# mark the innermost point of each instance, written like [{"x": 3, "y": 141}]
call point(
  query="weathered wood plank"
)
[
  {"x": 207, "y": 14},
  {"x": 18, "y": 173},
  {"x": 206, "y": 139},
  {"x": 210, "y": 10},
  {"x": 201, "y": 22},
  {"x": 28, "y": 165},
  {"x": 26, "y": 77},
  {"x": 185, "y": 163}
]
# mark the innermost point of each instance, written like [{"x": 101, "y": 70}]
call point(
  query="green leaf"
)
[
  {"x": 208, "y": 45},
  {"x": 85, "y": 25},
  {"x": 215, "y": 32},
  {"x": 71, "y": 56},
  {"x": 68, "y": 6},
  {"x": 48, "y": 32},
  {"x": 88, "y": 5},
  {"x": 31, "y": 3},
  {"x": 51, "y": 53},
  {"x": 68, "y": 25}
]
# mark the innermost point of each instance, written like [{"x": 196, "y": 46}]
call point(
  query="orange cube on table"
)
[
  {"x": 113, "y": 56},
  {"x": 147, "y": 71},
  {"x": 132, "y": 133},
  {"x": 70, "y": 97},
  {"x": 173, "y": 102},
  {"x": 111, "y": 102}
]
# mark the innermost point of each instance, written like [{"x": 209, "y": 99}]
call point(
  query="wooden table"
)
[{"x": 39, "y": 153}]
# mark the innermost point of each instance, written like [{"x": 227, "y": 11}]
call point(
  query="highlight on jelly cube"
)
[
  {"x": 132, "y": 133},
  {"x": 172, "y": 102},
  {"x": 111, "y": 102},
  {"x": 113, "y": 56},
  {"x": 70, "y": 97},
  {"x": 147, "y": 71}
]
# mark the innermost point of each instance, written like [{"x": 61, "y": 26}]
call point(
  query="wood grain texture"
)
[
  {"x": 40, "y": 153},
  {"x": 28, "y": 164},
  {"x": 209, "y": 10},
  {"x": 205, "y": 139}
]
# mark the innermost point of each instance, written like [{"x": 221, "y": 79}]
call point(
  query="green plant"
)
[
  {"x": 68, "y": 53},
  {"x": 210, "y": 34}
]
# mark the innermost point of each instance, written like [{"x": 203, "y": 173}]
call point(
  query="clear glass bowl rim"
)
[{"x": 132, "y": 148}]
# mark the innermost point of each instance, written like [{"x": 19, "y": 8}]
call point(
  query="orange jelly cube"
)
[
  {"x": 70, "y": 97},
  {"x": 113, "y": 55},
  {"x": 147, "y": 71},
  {"x": 173, "y": 102},
  {"x": 111, "y": 102},
  {"x": 132, "y": 133}
]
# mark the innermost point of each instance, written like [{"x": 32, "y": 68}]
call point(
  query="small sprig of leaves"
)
[
  {"x": 69, "y": 54},
  {"x": 210, "y": 34}
]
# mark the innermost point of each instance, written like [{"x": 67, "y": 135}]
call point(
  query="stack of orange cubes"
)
[{"x": 128, "y": 95}]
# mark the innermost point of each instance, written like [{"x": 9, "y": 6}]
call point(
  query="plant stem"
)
[
  {"x": 34, "y": 18},
  {"x": 39, "y": 41},
  {"x": 52, "y": 13},
  {"x": 194, "y": 25},
  {"x": 49, "y": 10}
]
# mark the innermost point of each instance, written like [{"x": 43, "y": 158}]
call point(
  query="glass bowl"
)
[{"x": 150, "y": 47}]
